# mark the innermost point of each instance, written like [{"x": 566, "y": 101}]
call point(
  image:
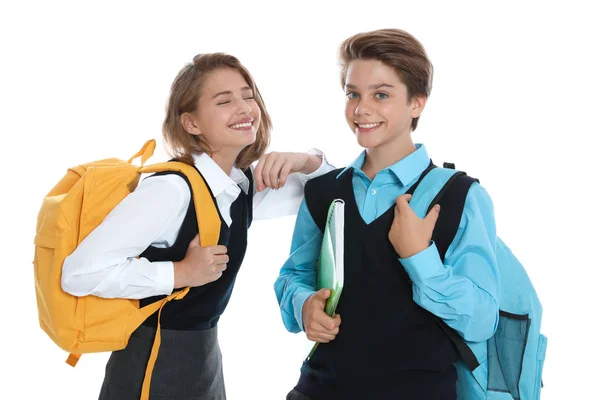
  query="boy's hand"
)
[
  {"x": 410, "y": 234},
  {"x": 273, "y": 169},
  {"x": 319, "y": 326}
]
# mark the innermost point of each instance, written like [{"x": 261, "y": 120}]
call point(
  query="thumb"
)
[
  {"x": 195, "y": 242},
  {"x": 432, "y": 217},
  {"x": 325, "y": 293}
]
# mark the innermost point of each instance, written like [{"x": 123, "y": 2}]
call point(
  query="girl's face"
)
[{"x": 227, "y": 116}]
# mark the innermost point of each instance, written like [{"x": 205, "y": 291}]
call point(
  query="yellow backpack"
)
[{"x": 74, "y": 207}]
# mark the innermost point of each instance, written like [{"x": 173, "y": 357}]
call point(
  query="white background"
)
[{"x": 514, "y": 103}]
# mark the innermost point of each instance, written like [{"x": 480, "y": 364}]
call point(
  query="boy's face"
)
[{"x": 377, "y": 106}]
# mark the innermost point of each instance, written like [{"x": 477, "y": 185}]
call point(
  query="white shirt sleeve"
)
[
  {"x": 286, "y": 201},
  {"x": 105, "y": 263}
]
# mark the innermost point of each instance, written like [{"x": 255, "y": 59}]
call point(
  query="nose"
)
[
  {"x": 243, "y": 107},
  {"x": 363, "y": 108}
]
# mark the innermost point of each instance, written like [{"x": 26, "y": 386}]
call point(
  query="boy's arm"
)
[
  {"x": 298, "y": 277},
  {"x": 464, "y": 290}
]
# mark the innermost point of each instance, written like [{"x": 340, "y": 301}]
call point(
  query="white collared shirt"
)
[{"x": 105, "y": 264}]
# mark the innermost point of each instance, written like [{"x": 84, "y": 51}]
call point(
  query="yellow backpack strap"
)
[
  {"x": 145, "y": 152},
  {"x": 209, "y": 227},
  {"x": 73, "y": 359},
  {"x": 209, "y": 223}
]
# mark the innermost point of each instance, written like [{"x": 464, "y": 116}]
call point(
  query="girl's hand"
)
[{"x": 273, "y": 168}]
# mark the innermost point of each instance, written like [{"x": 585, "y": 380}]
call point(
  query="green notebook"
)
[{"x": 330, "y": 267}]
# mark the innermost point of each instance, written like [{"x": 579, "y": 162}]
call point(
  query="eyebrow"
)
[
  {"x": 372, "y": 87},
  {"x": 245, "y": 88}
]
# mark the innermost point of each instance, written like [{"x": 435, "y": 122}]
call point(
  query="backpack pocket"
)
[
  {"x": 59, "y": 313},
  {"x": 505, "y": 353}
]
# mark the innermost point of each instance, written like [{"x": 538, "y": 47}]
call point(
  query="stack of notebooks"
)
[{"x": 330, "y": 269}]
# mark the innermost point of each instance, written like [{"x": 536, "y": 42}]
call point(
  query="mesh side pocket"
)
[{"x": 505, "y": 353}]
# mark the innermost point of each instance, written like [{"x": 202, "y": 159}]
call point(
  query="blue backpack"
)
[{"x": 508, "y": 366}]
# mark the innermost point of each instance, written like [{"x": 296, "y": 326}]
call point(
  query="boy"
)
[{"x": 386, "y": 341}]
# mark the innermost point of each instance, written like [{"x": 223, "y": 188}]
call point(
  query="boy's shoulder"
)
[
  {"x": 327, "y": 180},
  {"x": 331, "y": 175},
  {"x": 321, "y": 191}
]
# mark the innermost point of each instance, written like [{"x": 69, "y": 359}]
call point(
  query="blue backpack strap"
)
[
  {"x": 431, "y": 188},
  {"x": 448, "y": 188}
]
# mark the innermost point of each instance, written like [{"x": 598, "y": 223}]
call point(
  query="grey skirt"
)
[{"x": 188, "y": 367}]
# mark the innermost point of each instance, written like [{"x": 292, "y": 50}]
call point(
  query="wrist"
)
[
  {"x": 180, "y": 274},
  {"x": 312, "y": 164},
  {"x": 413, "y": 251}
]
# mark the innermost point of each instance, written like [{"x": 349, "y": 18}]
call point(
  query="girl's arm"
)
[
  {"x": 279, "y": 181},
  {"x": 105, "y": 263}
]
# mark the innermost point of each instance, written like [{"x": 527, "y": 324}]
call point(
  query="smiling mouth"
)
[
  {"x": 242, "y": 125},
  {"x": 370, "y": 127}
]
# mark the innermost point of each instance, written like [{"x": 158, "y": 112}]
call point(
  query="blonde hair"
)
[{"x": 183, "y": 97}]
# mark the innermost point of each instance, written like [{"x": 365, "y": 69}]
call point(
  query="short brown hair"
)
[
  {"x": 184, "y": 95},
  {"x": 398, "y": 50}
]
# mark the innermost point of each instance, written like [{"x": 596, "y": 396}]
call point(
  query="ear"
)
[
  {"x": 189, "y": 124},
  {"x": 417, "y": 105}
]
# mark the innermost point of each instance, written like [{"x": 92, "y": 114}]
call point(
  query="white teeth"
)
[
  {"x": 367, "y": 126},
  {"x": 244, "y": 125}
]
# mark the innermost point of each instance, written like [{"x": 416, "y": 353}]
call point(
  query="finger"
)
[
  {"x": 319, "y": 329},
  {"x": 275, "y": 172},
  {"x": 316, "y": 328},
  {"x": 402, "y": 201},
  {"x": 433, "y": 216},
  {"x": 195, "y": 242},
  {"x": 219, "y": 249},
  {"x": 260, "y": 185},
  {"x": 337, "y": 320},
  {"x": 266, "y": 172},
  {"x": 220, "y": 267},
  {"x": 221, "y": 259},
  {"x": 322, "y": 337},
  {"x": 285, "y": 171},
  {"x": 324, "y": 293},
  {"x": 323, "y": 322},
  {"x": 218, "y": 275}
]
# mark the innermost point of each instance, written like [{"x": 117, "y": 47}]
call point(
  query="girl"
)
[{"x": 216, "y": 121}]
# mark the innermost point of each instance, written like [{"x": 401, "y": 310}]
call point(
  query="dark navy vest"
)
[
  {"x": 203, "y": 305},
  {"x": 388, "y": 347}
]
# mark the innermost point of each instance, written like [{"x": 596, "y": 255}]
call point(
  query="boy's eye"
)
[
  {"x": 352, "y": 95},
  {"x": 249, "y": 98},
  {"x": 381, "y": 96},
  {"x": 223, "y": 102}
]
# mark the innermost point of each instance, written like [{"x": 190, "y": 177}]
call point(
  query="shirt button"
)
[{"x": 373, "y": 191}]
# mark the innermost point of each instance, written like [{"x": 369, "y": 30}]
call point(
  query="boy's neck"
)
[{"x": 378, "y": 158}]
